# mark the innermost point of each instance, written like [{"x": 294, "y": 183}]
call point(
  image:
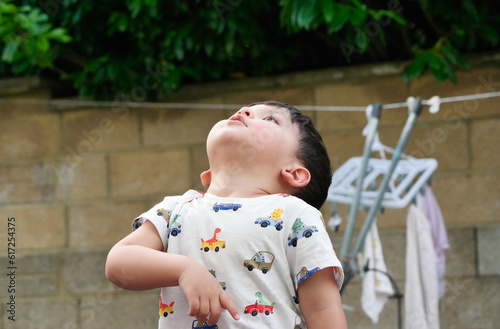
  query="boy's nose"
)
[{"x": 246, "y": 111}]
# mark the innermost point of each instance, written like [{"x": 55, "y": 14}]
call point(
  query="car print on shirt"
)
[
  {"x": 262, "y": 260},
  {"x": 214, "y": 243},
  {"x": 298, "y": 322},
  {"x": 299, "y": 230},
  {"x": 226, "y": 206},
  {"x": 222, "y": 284},
  {"x": 273, "y": 220},
  {"x": 165, "y": 309},
  {"x": 304, "y": 273},
  {"x": 203, "y": 324},
  {"x": 260, "y": 306},
  {"x": 176, "y": 229},
  {"x": 164, "y": 213}
]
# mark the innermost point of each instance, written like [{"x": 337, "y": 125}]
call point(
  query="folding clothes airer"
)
[{"x": 401, "y": 181}]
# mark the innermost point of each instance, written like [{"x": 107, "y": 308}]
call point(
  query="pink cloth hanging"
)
[
  {"x": 430, "y": 207},
  {"x": 421, "y": 286}
]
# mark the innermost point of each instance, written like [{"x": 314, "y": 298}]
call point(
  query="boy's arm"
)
[
  {"x": 138, "y": 262},
  {"x": 320, "y": 301}
]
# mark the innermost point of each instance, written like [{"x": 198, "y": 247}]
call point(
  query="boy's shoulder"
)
[
  {"x": 293, "y": 202},
  {"x": 187, "y": 196}
]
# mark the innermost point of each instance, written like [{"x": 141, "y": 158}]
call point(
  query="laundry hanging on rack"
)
[
  {"x": 357, "y": 183},
  {"x": 414, "y": 110},
  {"x": 376, "y": 287},
  {"x": 421, "y": 286},
  {"x": 428, "y": 204}
]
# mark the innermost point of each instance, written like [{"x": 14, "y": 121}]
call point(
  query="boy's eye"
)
[{"x": 271, "y": 118}]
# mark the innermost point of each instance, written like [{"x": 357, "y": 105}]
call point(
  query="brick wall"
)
[{"x": 74, "y": 177}]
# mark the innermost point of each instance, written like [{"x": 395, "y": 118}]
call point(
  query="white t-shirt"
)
[{"x": 259, "y": 249}]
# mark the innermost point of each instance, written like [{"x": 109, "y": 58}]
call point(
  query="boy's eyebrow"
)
[
  {"x": 275, "y": 111},
  {"x": 282, "y": 113}
]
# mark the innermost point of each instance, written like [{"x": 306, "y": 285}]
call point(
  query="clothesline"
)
[{"x": 207, "y": 106}]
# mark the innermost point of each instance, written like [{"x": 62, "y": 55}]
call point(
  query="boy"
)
[{"x": 247, "y": 245}]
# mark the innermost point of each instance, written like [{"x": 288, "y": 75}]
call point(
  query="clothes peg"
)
[
  {"x": 335, "y": 220},
  {"x": 414, "y": 105},
  {"x": 434, "y": 102}
]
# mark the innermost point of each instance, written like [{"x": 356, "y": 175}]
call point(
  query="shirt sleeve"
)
[
  {"x": 159, "y": 215},
  {"x": 309, "y": 248}
]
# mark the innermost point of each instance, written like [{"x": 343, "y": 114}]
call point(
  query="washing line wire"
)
[{"x": 70, "y": 103}]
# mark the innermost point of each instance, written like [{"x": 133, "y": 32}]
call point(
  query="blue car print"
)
[
  {"x": 175, "y": 231},
  {"x": 227, "y": 206},
  {"x": 304, "y": 232},
  {"x": 268, "y": 221},
  {"x": 304, "y": 273},
  {"x": 203, "y": 324},
  {"x": 176, "y": 228}
]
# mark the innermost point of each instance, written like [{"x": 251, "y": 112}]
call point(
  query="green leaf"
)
[
  {"x": 379, "y": 14},
  {"x": 357, "y": 16},
  {"x": 59, "y": 34},
  {"x": 434, "y": 59},
  {"x": 471, "y": 10},
  {"x": 307, "y": 14},
  {"x": 6, "y": 29},
  {"x": 42, "y": 44},
  {"x": 10, "y": 49},
  {"x": 328, "y": 9},
  {"x": 117, "y": 21},
  {"x": 135, "y": 7},
  {"x": 209, "y": 49},
  {"x": 7, "y": 8},
  {"x": 416, "y": 68},
  {"x": 439, "y": 74},
  {"x": 340, "y": 18},
  {"x": 179, "y": 52}
]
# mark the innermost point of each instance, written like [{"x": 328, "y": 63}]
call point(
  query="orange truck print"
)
[
  {"x": 214, "y": 243},
  {"x": 165, "y": 309}
]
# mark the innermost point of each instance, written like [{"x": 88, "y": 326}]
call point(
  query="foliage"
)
[
  {"x": 28, "y": 43},
  {"x": 144, "y": 49}
]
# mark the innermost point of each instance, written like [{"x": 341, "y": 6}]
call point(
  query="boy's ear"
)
[
  {"x": 296, "y": 177},
  {"x": 206, "y": 178}
]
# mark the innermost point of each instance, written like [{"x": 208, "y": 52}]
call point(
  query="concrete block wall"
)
[{"x": 74, "y": 178}]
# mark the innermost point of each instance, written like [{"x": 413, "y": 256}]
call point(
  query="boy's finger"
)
[
  {"x": 215, "y": 311},
  {"x": 203, "y": 310},
  {"x": 227, "y": 303},
  {"x": 194, "y": 306}
]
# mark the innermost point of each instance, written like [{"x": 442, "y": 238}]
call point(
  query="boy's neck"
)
[{"x": 243, "y": 185}]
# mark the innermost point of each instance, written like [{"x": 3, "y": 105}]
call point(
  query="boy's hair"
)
[{"x": 312, "y": 153}]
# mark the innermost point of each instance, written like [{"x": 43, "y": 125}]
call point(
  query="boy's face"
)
[{"x": 261, "y": 134}]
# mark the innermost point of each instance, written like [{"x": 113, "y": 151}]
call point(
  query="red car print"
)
[{"x": 257, "y": 308}]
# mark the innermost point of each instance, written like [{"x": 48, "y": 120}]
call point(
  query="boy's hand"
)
[{"x": 205, "y": 295}]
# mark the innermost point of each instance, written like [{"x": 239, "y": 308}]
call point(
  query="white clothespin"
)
[
  {"x": 377, "y": 145},
  {"x": 335, "y": 220},
  {"x": 434, "y": 102},
  {"x": 409, "y": 103},
  {"x": 368, "y": 113}
]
